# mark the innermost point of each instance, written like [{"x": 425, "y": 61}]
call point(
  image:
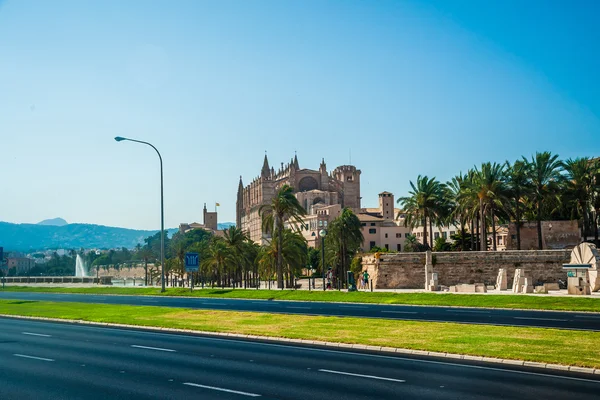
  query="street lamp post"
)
[
  {"x": 322, "y": 233},
  {"x": 162, "y": 210}
]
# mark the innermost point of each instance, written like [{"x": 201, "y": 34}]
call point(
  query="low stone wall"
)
[{"x": 407, "y": 270}]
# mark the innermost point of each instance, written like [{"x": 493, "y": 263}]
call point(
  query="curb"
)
[{"x": 394, "y": 350}]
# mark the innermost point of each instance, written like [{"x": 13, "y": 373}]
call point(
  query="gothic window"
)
[{"x": 307, "y": 183}]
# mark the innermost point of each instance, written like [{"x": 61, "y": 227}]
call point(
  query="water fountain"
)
[{"x": 81, "y": 270}]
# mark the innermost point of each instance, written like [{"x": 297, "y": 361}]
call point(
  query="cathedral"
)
[{"x": 315, "y": 190}]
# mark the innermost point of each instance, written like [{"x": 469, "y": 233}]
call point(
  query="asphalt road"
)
[
  {"x": 545, "y": 319},
  {"x": 44, "y": 360}
]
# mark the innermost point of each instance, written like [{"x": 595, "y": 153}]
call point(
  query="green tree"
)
[
  {"x": 489, "y": 187},
  {"x": 283, "y": 207},
  {"x": 423, "y": 204},
  {"x": 545, "y": 176},
  {"x": 344, "y": 235},
  {"x": 519, "y": 188},
  {"x": 578, "y": 188}
]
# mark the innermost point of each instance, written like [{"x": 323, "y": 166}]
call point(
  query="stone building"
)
[
  {"x": 383, "y": 226},
  {"x": 210, "y": 223},
  {"x": 316, "y": 190}
]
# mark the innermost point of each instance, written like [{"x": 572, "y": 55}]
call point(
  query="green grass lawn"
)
[
  {"x": 530, "y": 344},
  {"x": 540, "y": 302}
]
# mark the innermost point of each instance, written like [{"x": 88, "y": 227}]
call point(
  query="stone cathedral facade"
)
[{"x": 314, "y": 189}]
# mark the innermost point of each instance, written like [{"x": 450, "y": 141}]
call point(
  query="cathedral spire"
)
[
  {"x": 265, "y": 168},
  {"x": 241, "y": 185},
  {"x": 296, "y": 165}
]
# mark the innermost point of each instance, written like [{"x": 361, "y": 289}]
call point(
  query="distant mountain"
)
[
  {"x": 53, "y": 222},
  {"x": 224, "y": 225},
  {"x": 29, "y": 237}
]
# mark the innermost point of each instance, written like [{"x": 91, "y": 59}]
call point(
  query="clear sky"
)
[{"x": 408, "y": 87}]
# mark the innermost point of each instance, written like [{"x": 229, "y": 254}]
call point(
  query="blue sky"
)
[{"x": 408, "y": 87}]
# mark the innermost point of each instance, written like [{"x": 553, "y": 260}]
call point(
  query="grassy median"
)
[
  {"x": 539, "y": 302},
  {"x": 530, "y": 344}
]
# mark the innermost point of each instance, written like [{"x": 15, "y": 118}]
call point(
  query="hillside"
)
[{"x": 27, "y": 237}]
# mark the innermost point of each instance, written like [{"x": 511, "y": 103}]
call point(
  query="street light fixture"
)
[
  {"x": 162, "y": 210},
  {"x": 323, "y": 233}
]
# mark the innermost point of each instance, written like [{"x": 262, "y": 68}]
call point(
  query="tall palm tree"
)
[
  {"x": 545, "y": 176},
  {"x": 236, "y": 240},
  {"x": 491, "y": 193},
  {"x": 518, "y": 185},
  {"x": 218, "y": 259},
  {"x": 423, "y": 203},
  {"x": 345, "y": 235},
  {"x": 283, "y": 207},
  {"x": 578, "y": 187}
]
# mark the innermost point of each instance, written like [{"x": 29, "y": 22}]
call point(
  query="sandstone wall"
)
[{"x": 407, "y": 270}]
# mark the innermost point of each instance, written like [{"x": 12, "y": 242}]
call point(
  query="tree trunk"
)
[
  {"x": 478, "y": 235},
  {"x": 494, "y": 230},
  {"x": 596, "y": 227},
  {"x": 473, "y": 235},
  {"x": 462, "y": 235},
  {"x": 584, "y": 211},
  {"x": 539, "y": 224},
  {"x": 483, "y": 241},
  {"x": 518, "y": 224},
  {"x": 279, "y": 222},
  {"x": 430, "y": 233},
  {"x": 425, "y": 230}
]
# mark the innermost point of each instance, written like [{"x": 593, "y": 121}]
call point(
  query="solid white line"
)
[
  {"x": 222, "y": 389},
  {"x": 35, "y": 334},
  {"x": 32, "y": 357},
  {"x": 151, "y": 348},
  {"x": 543, "y": 319},
  {"x": 362, "y": 376},
  {"x": 469, "y": 311},
  {"x": 400, "y": 312}
]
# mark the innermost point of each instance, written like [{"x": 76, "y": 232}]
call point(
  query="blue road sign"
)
[{"x": 192, "y": 260}]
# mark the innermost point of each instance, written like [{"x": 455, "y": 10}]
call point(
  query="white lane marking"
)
[
  {"x": 264, "y": 302},
  {"x": 35, "y": 334},
  {"x": 400, "y": 312},
  {"x": 470, "y": 311},
  {"x": 149, "y": 301},
  {"x": 33, "y": 357},
  {"x": 587, "y": 316},
  {"x": 213, "y": 304},
  {"x": 151, "y": 348},
  {"x": 362, "y": 376},
  {"x": 542, "y": 319},
  {"x": 353, "y": 307},
  {"x": 302, "y": 308},
  {"x": 222, "y": 389}
]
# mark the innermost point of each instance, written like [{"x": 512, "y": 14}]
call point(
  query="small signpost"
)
[{"x": 192, "y": 262}]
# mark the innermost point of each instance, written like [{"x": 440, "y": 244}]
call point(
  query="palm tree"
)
[
  {"x": 423, "y": 203},
  {"x": 518, "y": 185},
  {"x": 544, "y": 175},
  {"x": 217, "y": 260},
  {"x": 294, "y": 255},
  {"x": 491, "y": 193},
  {"x": 344, "y": 235},
  {"x": 283, "y": 207},
  {"x": 579, "y": 188},
  {"x": 236, "y": 240}
]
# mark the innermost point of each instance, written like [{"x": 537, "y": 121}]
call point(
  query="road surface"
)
[{"x": 45, "y": 360}]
